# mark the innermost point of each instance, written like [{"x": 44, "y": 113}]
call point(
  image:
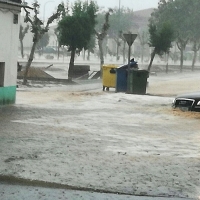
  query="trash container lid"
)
[
  {"x": 109, "y": 66},
  {"x": 135, "y": 66}
]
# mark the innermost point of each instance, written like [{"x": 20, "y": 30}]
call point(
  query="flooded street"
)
[{"x": 103, "y": 141}]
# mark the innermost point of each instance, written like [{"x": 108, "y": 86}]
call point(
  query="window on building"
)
[
  {"x": 15, "y": 18},
  {"x": 2, "y": 73}
]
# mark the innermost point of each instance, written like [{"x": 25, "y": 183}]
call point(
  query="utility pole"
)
[
  {"x": 119, "y": 16},
  {"x": 45, "y": 8}
]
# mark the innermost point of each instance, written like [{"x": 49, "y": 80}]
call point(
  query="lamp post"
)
[
  {"x": 129, "y": 37},
  {"x": 44, "y": 9}
]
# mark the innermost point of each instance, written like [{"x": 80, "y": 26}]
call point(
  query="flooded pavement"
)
[
  {"x": 13, "y": 192},
  {"x": 105, "y": 141}
]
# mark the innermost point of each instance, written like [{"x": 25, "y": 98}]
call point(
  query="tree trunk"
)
[
  {"x": 71, "y": 65},
  {"x": 167, "y": 65},
  {"x": 194, "y": 59},
  {"x": 181, "y": 60},
  {"x": 58, "y": 52},
  {"x": 83, "y": 54},
  {"x": 100, "y": 42},
  {"x": 174, "y": 57},
  {"x": 117, "y": 53},
  {"x": 22, "y": 48},
  {"x": 124, "y": 55},
  {"x": 142, "y": 54},
  {"x": 58, "y": 49},
  {"x": 181, "y": 46},
  {"x": 31, "y": 56},
  {"x": 151, "y": 61},
  {"x": 88, "y": 56}
]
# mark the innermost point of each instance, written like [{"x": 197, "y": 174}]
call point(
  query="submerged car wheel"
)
[{"x": 184, "y": 109}]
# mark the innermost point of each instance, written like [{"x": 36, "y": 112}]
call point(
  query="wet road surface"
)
[{"x": 19, "y": 192}]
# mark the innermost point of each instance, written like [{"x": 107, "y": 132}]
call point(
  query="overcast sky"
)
[{"x": 48, "y": 6}]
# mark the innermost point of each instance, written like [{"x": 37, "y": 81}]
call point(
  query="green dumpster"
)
[{"x": 137, "y": 81}]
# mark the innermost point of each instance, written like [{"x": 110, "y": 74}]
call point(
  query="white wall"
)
[{"x": 9, "y": 37}]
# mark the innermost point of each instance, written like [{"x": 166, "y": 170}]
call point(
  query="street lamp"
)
[
  {"x": 44, "y": 9},
  {"x": 119, "y": 27}
]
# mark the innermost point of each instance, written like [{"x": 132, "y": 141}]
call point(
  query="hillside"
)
[{"x": 142, "y": 16}]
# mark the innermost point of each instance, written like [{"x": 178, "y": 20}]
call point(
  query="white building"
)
[{"x": 9, "y": 39}]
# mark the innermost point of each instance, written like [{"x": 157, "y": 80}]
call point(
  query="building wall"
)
[{"x": 9, "y": 37}]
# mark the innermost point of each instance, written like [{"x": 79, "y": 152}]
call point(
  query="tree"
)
[
  {"x": 58, "y": 43},
  {"x": 38, "y": 29},
  {"x": 76, "y": 30},
  {"x": 90, "y": 47},
  {"x": 124, "y": 45},
  {"x": 101, "y": 35},
  {"x": 195, "y": 29},
  {"x": 184, "y": 17},
  {"x": 181, "y": 23},
  {"x": 43, "y": 42},
  {"x": 178, "y": 13},
  {"x": 143, "y": 38},
  {"x": 161, "y": 38},
  {"x": 22, "y": 32},
  {"x": 121, "y": 20},
  {"x": 195, "y": 48}
]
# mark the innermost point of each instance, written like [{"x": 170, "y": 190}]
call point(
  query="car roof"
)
[{"x": 190, "y": 95}]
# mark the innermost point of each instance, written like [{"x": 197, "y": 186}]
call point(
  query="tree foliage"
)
[
  {"x": 184, "y": 19},
  {"x": 143, "y": 36},
  {"x": 102, "y": 34},
  {"x": 38, "y": 29},
  {"x": 121, "y": 20},
  {"x": 22, "y": 32},
  {"x": 91, "y": 46},
  {"x": 161, "y": 37},
  {"x": 75, "y": 30},
  {"x": 43, "y": 42},
  {"x": 195, "y": 29}
]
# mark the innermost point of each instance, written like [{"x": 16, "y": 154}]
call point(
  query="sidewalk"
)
[{"x": 19, "y": 192}]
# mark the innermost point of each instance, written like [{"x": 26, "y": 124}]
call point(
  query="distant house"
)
[{"x": 9, "y": 37}]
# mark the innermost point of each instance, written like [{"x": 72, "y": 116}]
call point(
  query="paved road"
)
[
  {"x": 47, "y": 136},
  {"x": 19, "y": 192}
]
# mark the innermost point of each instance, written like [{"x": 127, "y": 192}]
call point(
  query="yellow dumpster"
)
[{"x": 109, "y": 76}]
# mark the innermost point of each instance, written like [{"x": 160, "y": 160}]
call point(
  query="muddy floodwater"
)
[{"x": 105, "y": 141}]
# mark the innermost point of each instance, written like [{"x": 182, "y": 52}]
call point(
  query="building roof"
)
[
  {"x": 17, "y": 3},
  {"x": 12, "y": 2}
]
